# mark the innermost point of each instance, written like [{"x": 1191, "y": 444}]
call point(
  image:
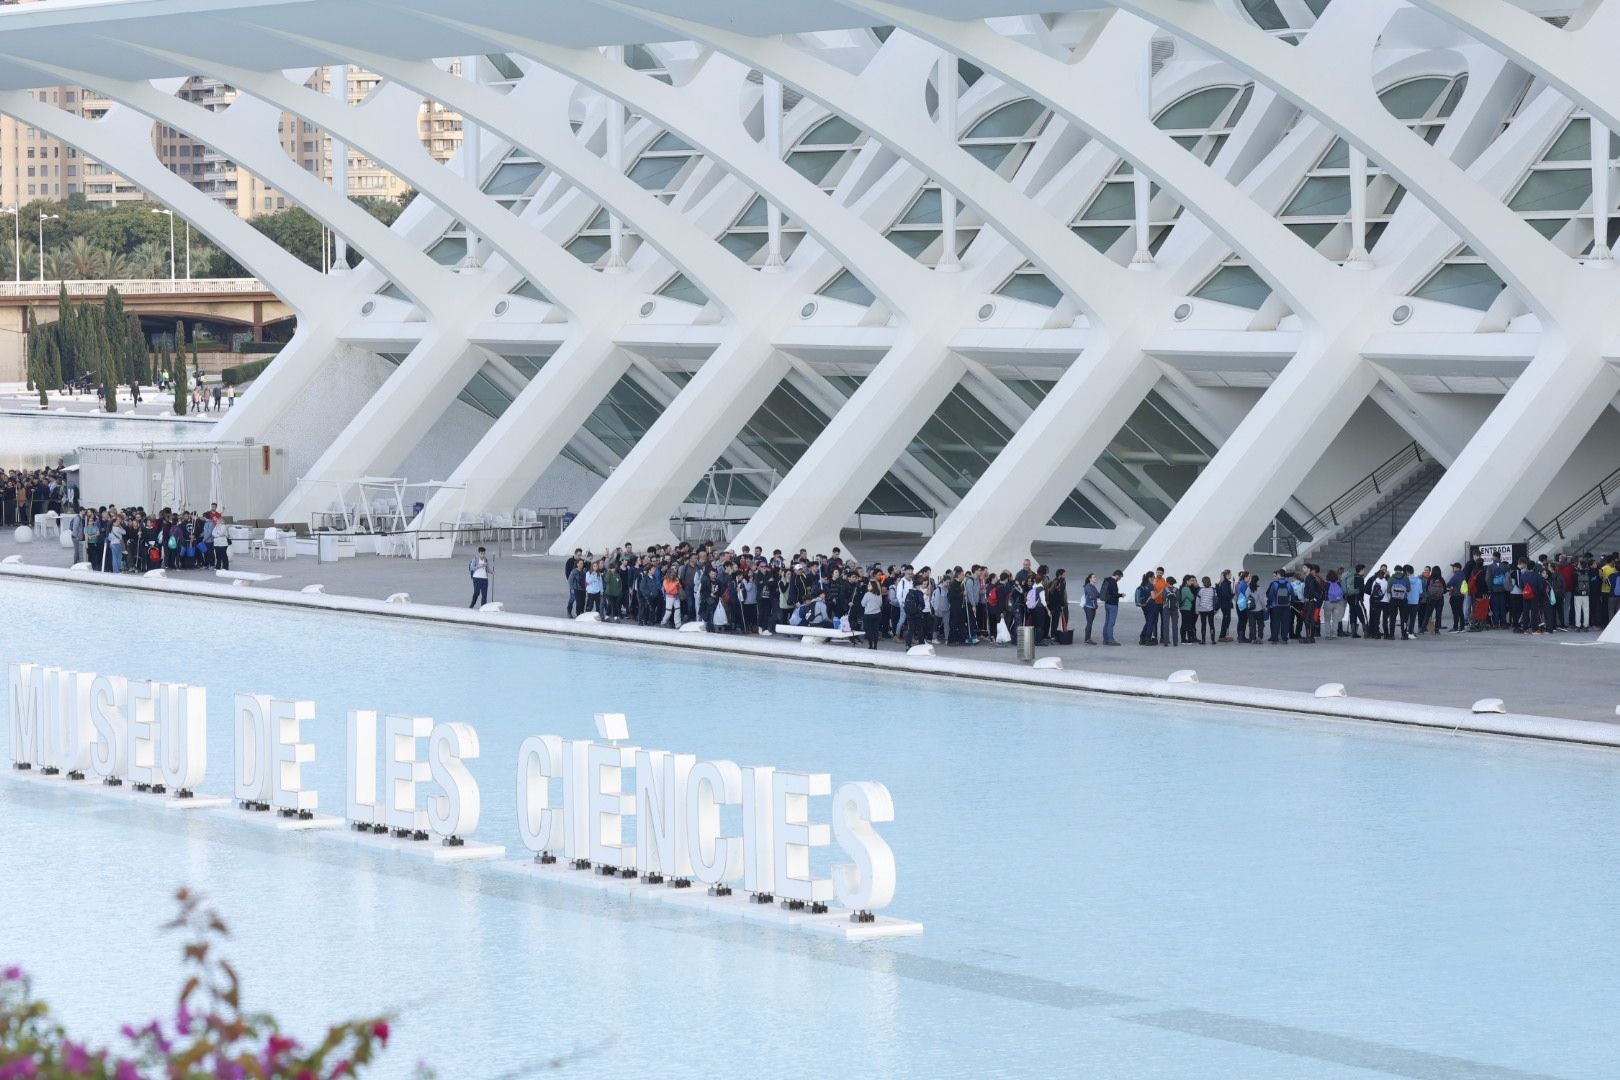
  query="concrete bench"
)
[
  {"x": 816, "y": 634},
  {"x": 243, "y": 577}
]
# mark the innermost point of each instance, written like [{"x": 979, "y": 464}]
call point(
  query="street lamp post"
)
[
  {"x": 170, "y": 215},
  {"x": 188, "y": 251},
  {"x": 16, "y": 240},
  {"x": 43, "y": 218}
]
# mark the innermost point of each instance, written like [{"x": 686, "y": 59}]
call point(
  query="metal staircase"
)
[
  {"x": 1590, "y": 523},
  {"x": 1359, "y": 525}
]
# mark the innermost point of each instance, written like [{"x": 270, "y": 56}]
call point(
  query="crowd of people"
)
[
  {"x": 1552, "y": 594},
  {"x": 27, "y": 493},
  {"x": 133, "y": 541},
  {"x": 752, "y": 592}
]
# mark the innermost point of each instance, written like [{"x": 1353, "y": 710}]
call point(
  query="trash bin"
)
[
  {"x": 1026, "y": 643},
  {"x": 326, "y": 547}
]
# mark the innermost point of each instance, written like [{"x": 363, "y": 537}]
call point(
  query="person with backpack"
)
[
  {"x": 1150, "y": 610},
  {"x": 1279, "y": 602},
  {"x": 1110, "y": 604},
  {"x": 1242, "y": 601},
  {"x": 916, "y": 608},
  {"x": 1333, "y": 601},
  {"x": 1434, "y": 601},
  {"x": 1035, "y": 607},
  {"x": 1224, "y": 592},
  {"x": 1312, "y": 592},
  {"x": 1296, "y": 607},
  {"x": 1497, "y": 578}
]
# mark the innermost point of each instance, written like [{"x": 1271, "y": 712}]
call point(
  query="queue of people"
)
[
  {"x": 750, "y": 592},
  {"x": 1552, "y": 594},
  {"x": 27, "y": 493},
  {"x": 133, "y": 541}
]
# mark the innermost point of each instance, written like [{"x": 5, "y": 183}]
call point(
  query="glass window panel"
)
[
  {"x": 505, "y": 65},
  {"x": 913, "y": 241},
  {"x": 1241, "y": 106},
  {"x": 529, "y": 289},
  {"x": 969, "y": 73},
  {"x": 514, "y": 178},
  {"x": 1239, "y": 286},
  {"x": 1556, "y": 189},
  {"x": 814, "y": 165},
  {"x": 1101, "y": 237},
  {"x": 449, "y": 251},
  {"x": 588, "y": 249},
  {"x": 670, "y": 141},
  {"x": 1115, "y": 202},
  {"x": 1035, "y": 288},
  {"x": 1548, "y": 227},
  {"x": 681, "y": 288},
  {"x": 1265, "y": 14},
  {"x": 1470, "y": 285},
  {"x": 657, "y": 174},
  {"x": 1014, "y": 120},
  {"x": 992, "y": 155},
  {"x": 623, "y": 417},
  {"x": 1411, "y": 100},
  {"x": 1321, "y": 196},
  {"x": 1317, "y": 6},
  {"x": 756, "y": 215},
  {"x": 599, "y": 222},
  {"x": 1337, "y": 156},
  {"x": 1197, "y": 111},
  {"x": 1448, "y": 106},
  {"x": 1574, "y": 143},
  {"x": 846, "y": 286},
  {"x": 744, "y": 245},
  {"x": 527, "y": 366},
  {"x": 1313, "y": 233},
  {"x": 925, "y": 210},
  {"x": 834, "y": 131}
]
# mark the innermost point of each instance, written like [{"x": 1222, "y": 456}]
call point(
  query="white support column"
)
[
  {"x": 1358, "y": 208},
  {"x": 535, "y": 428},
  {"x": 471, "y": 162},
  {"x": 1141, "y": 187},
  {"x": 637, "y": 500},
  {"x": 398, "y": 416},
  {"x": 946, "y": 81},
  {"x": 1503, "y": 469},
  {"x": 1047, "y": 456},
  {"x": 1600, "y": 191},
  {"x": 339, "y": 89},
  {"x": 822, "y": 492},
  {"x": 773, "y": 143},
  {"x": 615, "y": 160},
  {"x": 1261, "y": 466}
]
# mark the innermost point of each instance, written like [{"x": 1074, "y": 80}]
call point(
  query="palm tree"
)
[
  {"x": 149, "y": 260},
  {"x": 78, "y": 259},
  {"x": 116, "y": 266}
]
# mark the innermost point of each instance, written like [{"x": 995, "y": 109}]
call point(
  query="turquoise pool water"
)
[
  {"x": 1110, "y": 889},
  {"x": 29, "y": 442}
]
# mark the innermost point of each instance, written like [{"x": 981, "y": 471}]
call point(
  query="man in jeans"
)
[
  {"x": 1499, "y": 576},
  {"x": 1110, "y": 602},
  {"x": 478, "y": 567}
]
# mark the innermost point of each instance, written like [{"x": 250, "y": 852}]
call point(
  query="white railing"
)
[{"x": 133, "y": 287}]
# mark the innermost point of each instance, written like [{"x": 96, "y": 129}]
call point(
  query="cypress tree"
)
[
  {"x": 182, "y": 380},
  {"x": 65, "y": 350},
  {"x": 110, "y": 367},
  {"x": 135, "y": 344},
  {"x": 53, "y": 360}
]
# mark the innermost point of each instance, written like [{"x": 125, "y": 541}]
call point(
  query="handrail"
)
[
  {"x": 1576, "y": 512},
  {"x": 1337, "y": 512},
  {"x": 93, "y": 287}
]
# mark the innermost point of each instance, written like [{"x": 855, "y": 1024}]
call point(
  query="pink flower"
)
[
  {"x": 74, "y": 1058},
  {"x": 343, "y": 1069},
  {"x": 11, "y": 974},
  {"x": 380, "y": 1030},
  {"x": 125, "y": 1071},
  {"x": 182, "y": 1020}
]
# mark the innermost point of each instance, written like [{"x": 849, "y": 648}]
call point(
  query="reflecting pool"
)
[
  {"x": 29, "y": 442},
  {"x": 1111, "y": 889}
]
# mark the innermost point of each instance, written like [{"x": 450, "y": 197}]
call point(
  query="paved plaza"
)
[
  {"x": 155, "y": 404},
  {"x": 1562, "y": 675}
]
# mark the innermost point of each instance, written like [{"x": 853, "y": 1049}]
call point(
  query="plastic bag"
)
[{"x": 1003, "y": 635}]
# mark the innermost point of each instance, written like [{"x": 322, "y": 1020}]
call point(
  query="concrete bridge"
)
[{"x": 242, "y": 303}]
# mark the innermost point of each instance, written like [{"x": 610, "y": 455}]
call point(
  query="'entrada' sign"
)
[{"x": 152, "y": 735}]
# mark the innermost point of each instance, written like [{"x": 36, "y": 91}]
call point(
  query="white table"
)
[{"x": 47, "y": 524}]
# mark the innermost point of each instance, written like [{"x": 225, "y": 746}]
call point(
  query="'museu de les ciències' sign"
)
[{"x": 153, "y": 736}]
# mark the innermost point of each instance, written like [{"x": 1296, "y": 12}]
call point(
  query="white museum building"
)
[{"x": 1175, "y": 277}]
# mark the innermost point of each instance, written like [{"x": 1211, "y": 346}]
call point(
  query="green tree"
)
[
  {"x": 109, "y": 366},
  {"x": 182, "y": 381},
  {"x": 135, "y": 350}
]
